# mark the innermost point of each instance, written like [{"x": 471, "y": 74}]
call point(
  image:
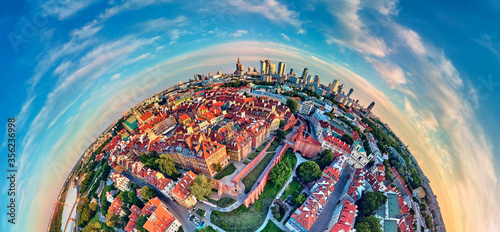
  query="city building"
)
[
  {"x": 369, "y": 109},
  {"x": 240, "y": 146},
  {"x": 304, "y": 73},
  {"x": 306, "y": 107},
  {"x": 161, "y": 220},
  {"x": 240, "y": 69},
  {"x": 335, "y": 86},
  {"x": 181, "y": 192},
  {"x": 120, "y": 181},
  {"x": 358, "y": 157}
]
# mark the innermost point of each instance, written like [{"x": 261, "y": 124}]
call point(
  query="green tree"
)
[
  {"x": 92, "y": 227},
  {"x": 281, "y": 135},
  {"x": 93, "y": 206},
  {"x": 309, "y": 171},
  {"x": 148, "y": 193},
  {"x": 370, "y": 202},
  {"x": 167, "y": 166},
  {"x": 292, "y": 104},
  {"x": 202, "y": 187},
  {"x": 123, "y": 195},
  {"x": 217, "y": 167},
  {"x": 326, "y": 158},
  {"x": 347, "y": 139},
  {"x": 279, "y": 174},
  {"x": 134, "y": 199},
  {"x": 282, "y": 123},
  {"x": 368, "y": 224},
  {"x": 300, "y": 199},
  {"x": 140, "y": 223},
  {"x": 112, "y": 219}
]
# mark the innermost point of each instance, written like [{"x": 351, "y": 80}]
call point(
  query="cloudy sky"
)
[{"x": 70, "y": 68}]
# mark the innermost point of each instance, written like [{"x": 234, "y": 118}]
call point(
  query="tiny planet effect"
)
[{"x": 250, "y": 115}]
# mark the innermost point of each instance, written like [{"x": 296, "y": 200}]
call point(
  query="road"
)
[
  {"x": 326, "y": 215},
  {"x": 177, "y": 210}
]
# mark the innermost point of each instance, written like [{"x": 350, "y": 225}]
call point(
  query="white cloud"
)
[
  {"x": 133, "y": 60},
  {"x": 116, "y": 76},
  {"x": 411, "y": 39},
  {"x": 354, "y": 34},
  {"x": 271, "y": 9},
  {"x": 391, "y": 73},
  {"x": 163, "y": 23},
  {"x": 285, "y": 37},
  {"x": 239, "y": 33},
  {"x": 63, "y": 9},
  {"x": 129, "y": 5}
]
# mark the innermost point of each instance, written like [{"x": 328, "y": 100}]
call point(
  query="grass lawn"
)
[
  {"x": 293, "y": 188},
  {"x": 257, "y": 150},
  {"x": 226, "y": 172},
  {"x": 95, "y": 218},
  {"x": 243, "y": 219},
  {"x": 254, "y": 175},
  {"x": 271, "y": 227},
  {"x": 273, "y": 146},
  {"x": 200, "y": 212},
  {"x": 225, "y": 202},
  {"x": 253, "y": 155}
]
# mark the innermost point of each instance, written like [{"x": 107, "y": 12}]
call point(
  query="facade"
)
[
  {"x": 240, "y": 146},
  {"x": 181, "y": 192},
  {"x": 308, "y": 146},
  {"x": 120, "y": 181},
  {"x": 358, "y": 157},
  {"x": 161, "y": 220},
  {"x": 306, "y": 107},
  {"x": 335, "y": 86},
  {"x": 198, "y": 153}
]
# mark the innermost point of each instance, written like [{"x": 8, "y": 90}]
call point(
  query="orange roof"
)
[
  {"x": 159, "y": 221},
  {"x": 151, "y": 206},
  {"x": 146, "y": 116},
  {"x": 181, "y": 190},
  {"x": 184, "y": 117}
]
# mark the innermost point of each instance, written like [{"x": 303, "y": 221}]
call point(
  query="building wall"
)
[
  {"x": 254, "y": 195},
  {"x": 251, "y": 165}
]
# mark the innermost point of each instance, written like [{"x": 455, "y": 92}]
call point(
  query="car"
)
[{"x": 202, "y": 224}]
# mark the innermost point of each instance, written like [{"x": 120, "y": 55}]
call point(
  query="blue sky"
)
[{"x": 72, "y": 67}]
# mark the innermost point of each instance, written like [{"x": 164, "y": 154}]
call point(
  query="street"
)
[
  {"x": 326, "y": 215},
  {"x": 174, "y": 208}
]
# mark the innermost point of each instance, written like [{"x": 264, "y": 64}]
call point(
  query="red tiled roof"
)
[
  {"x": 146, "y": 116},
  {"x": 181, "y": 190}
]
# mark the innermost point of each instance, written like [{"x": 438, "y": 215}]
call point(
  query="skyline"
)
[{"x": 425, "y": 83}]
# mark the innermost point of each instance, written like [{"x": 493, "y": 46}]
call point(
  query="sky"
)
[{"x": 70, "y": 68}]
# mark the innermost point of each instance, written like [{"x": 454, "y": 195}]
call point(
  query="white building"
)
[
  {"x": 306, "y": 107},
  {"x": 358, "y": 157}
]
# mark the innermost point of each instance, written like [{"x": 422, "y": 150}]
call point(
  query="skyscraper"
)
[
  {"x": 304, "y": 73},
  {"x": 281, "y": 68},
  {"x": 264, "y": 66},
  {"x": 335, "y": 86},
  {"x": 240, "y": 69},
  {"x": 272, "y": 69},
  {"x": 291, "y": 72},
  {"x": 341, "y": 89},
  {"x": 370, "y": 107},
  {"x": 309, "y": 79},
  {"x": 317, "y": 79},
  {"x": 350, "y": 92}
]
